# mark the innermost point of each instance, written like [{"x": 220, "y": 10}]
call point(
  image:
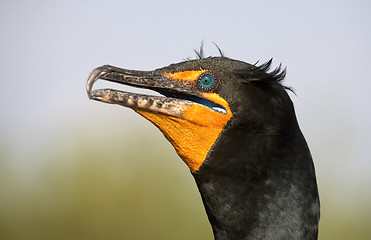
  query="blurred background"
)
[{"x": 71, "y": 168}]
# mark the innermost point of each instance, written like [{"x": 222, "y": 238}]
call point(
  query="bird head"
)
[{"x": 199, "y": 99}]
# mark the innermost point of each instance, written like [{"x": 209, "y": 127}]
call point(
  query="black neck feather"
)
[{"x": 260, "y": 186}]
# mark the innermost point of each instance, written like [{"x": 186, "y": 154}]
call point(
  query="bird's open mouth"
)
[{"x": 176, "y": 96}]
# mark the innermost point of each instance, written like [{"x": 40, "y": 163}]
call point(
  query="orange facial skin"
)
[
  {"x": 186, "y": 75},
  {"x": 193, "y": 135}
]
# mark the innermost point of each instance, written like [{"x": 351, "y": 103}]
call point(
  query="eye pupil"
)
[{"x": 207, "y": 81}]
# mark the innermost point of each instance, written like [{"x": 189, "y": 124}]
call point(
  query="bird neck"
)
[{"x": 260, "y": 186}]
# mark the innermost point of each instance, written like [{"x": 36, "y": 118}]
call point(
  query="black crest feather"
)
[
  {"x": 220, "y": 51},
  {"x": 261, "y": 74},
  {"x": 200, "y": 54}
]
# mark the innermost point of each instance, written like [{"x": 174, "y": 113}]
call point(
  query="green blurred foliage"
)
[
  {"x": 109, "y": 192},
  {"x": 113, "y": 189}
]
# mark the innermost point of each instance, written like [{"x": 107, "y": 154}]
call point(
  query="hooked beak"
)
[{"x": 173, "y": 103}]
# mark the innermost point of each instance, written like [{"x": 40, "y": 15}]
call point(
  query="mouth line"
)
[
  {"x": 201, "y": 101},
  {"x": 170, "y": 103}
]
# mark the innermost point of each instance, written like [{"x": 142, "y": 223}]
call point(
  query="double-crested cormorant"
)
[{"x": 234, "y": 125}]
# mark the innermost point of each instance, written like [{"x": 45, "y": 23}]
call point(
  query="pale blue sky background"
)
[{"x": 48, "y": 49}]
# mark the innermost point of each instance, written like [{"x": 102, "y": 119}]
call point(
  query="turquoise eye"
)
[{"x": 207, "y": 81}]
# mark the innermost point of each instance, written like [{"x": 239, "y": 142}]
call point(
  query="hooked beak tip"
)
[{"x": 93, "y": 77}]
